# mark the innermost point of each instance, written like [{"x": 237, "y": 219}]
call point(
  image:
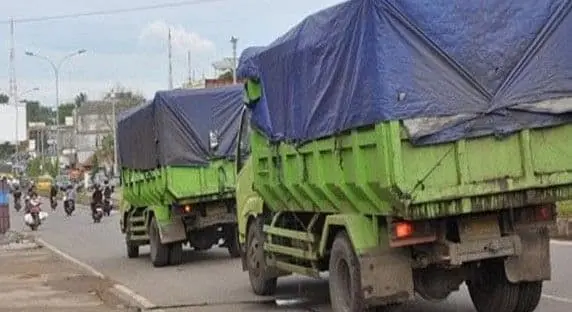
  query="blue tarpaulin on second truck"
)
[
  {"x": 449, "y": 70},
  {"x": 178, "y": 127}
]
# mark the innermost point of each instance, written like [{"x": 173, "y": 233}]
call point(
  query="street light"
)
[{"x": 56, "y": 67}]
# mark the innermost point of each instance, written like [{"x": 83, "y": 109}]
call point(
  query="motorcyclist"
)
[
  {"x": 33, "y": 200},
  {"x": 53, "y": 193},
  {"x": 32, "y": 189},
  {"x": 107, "y": 191},
  {"x": 96, "y": 197},
  {"x": 17, "y": 193},
  {"x": 71, "y": 194}
]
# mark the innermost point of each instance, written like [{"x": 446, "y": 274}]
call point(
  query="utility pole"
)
[
  {"x": 114, "y": 122},
  {"x": 170, "y": 61},
  {"x": 13, "y": 84},
  {"x": 190, "y": 68},
  {"x": 233, "y": 40}
]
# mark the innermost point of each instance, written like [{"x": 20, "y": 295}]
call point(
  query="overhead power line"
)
[{"x": 110, "y": 12}]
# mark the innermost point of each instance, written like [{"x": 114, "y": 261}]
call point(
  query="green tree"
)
[
  {"x": 35, "y": 112},
  {"x": 34, "y": 167},
  {"x": 4, "y": 98},
  {"x": 227, "y": 75},
  {"x": 6, "y": 150},
  {"x": 65, "y": 110}
]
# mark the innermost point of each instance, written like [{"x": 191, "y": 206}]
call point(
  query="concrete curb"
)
[{"x": 123, "y": 291}]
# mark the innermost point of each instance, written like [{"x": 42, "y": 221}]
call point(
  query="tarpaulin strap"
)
[
  {"x": 402, "y": 18},
  {"x": 551, "y": 25}
]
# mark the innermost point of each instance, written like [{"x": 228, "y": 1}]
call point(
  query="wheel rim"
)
[
  {"x": 254, "y": 260},
  {"x": 343, "y": 278}
]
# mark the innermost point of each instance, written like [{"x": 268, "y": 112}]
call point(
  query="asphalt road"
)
[{"x": 210, "y": 281}]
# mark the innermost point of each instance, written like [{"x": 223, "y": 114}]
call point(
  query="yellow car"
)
[{"x": 44, "y": 184}]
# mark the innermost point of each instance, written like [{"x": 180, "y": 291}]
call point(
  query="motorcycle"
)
[
  {"x": 17, "y": 204},
  {"x": 107, "y": 206},
  {"x": 98, "y": 213},
  {"x": 53, "y": 202},
  {"x": 35, "y": 216},
  {"x": 27, "y": 202},
  {"x": 69, "y": 206}
]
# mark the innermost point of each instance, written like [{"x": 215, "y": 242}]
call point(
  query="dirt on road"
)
[{"x": 33, "y": 279}]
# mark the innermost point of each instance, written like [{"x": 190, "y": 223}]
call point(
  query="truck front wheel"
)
[
  {"x": 159, "y": 252},
  {"x": 132, "y": 249},
  {"x": 491, "y": 291},
  {"x": 262, "y": 285},
  {"x": 345, "y": 276}
]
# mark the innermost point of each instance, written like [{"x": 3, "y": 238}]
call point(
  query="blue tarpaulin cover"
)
[
  {"x": 448, "y": 69},
  {"x": 179, "y": 128}
]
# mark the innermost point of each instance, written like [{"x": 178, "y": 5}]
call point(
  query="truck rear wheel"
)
[
  {"x": 529, "y": 296},
  {"x": 261, "y": 284},
  {"x": 491, "y": 291},
  {"x": 175, "y": 253},
  {"x": 159, "y": 252},
  {"x": 345, "y": 276}
]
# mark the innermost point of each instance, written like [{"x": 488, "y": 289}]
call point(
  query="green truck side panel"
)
[
  {"x": 375, "y": 170},
  {"x": 163, "y": 186},
  {"x": 364, "y": 231},
  {"x": 248, "y": 203}
]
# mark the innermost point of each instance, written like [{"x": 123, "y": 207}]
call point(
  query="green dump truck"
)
[
  {"x": 389, "y": 150},
  {"x": 177, "y": 173}
]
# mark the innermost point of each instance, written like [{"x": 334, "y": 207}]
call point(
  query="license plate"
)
[{"x": 479, "y": 227}]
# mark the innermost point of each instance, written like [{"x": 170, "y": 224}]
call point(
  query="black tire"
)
[
  {"x": 490, "y": 291},
  {"x": 231, "y": 240},
  {"x": 132, "y": 249},
  {"x": 261, "y": 284},
  {"x": 176, "y": 253},
  {"x": 529, "y": 296},
  {"x": 345, "y": 276},
  {"x": 159, "y": 252}
]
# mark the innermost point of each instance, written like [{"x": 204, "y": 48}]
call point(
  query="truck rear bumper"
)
[{"x": 459, "y": 253}]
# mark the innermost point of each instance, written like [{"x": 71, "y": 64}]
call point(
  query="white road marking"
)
[
  {"x": 556, "y": 298},
  {"x": 142, "y": 301},
  {"x": 561, "y": 242}
]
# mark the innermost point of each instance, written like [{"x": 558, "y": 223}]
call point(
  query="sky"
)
[{"x": 130, "y": 49}]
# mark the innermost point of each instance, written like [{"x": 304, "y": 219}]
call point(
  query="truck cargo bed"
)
[
  {"x": 169, "y": 184},
  {"x": 375, "y": 170}
]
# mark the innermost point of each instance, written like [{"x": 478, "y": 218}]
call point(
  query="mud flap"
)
[
  {"x": 173, "y": 231},
  {"x": 533, "y": 264},
  {"x": 386, "y": 276}
]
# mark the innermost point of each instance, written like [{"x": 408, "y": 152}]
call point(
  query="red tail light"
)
[
  {"x": 544, "y": 212},
  {"x": 403, "y": 229}
]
